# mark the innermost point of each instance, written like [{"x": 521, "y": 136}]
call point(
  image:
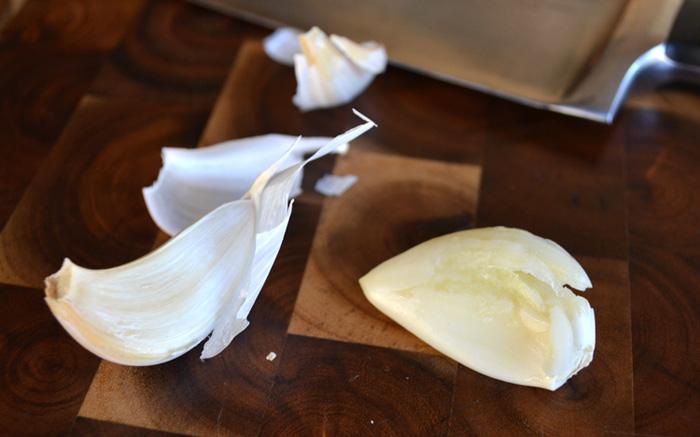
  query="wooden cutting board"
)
[{"x": 91, "y": 91}]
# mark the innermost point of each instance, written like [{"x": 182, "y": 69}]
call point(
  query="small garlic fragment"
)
[
  {"x": 493, "y": 299},
  {"x": 332, "y": 185},
  {"x": 204, "y": 280},
  {"x": 194, "y": 182},
  {"x": 282, "y": 45},
  {"x": 271, "y": 356},
  {"x": 333, "y": 71}
]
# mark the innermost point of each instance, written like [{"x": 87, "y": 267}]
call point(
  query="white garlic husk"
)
[
  {"x": 335, "y": 185},
  {"x": 205, "y": 280},
  {"x": 369, "y": 56},
  {"x": 493, "y": 299},
  {"x": 282, "y": 45},
  {"x": 194, "y": 182},
  {"x": 333, "y": 71}
]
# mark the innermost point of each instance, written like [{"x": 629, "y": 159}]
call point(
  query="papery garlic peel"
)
[
  {"x": 333, "y": 71},
  {"x": 205, "y": 280},
  {"x": 194, "y": 182},
  {"x": 282, "y": 45},
  {"x": 370, "y": 56},
  {"x": 493, "y": 299},
  {"x": 335, "y": 185}
]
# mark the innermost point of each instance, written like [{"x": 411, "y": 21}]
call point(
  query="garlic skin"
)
[
  {"x": 282, "y": 45},
  {"x": 369, "y": 56},
  {"x": 146, "y": 312},
  {"x": 333, "y": 71},
  {"x": 194, "y": 182},
  {"x": 205, "y": 280},
  {"x": 333, "y": 185},
  {"x": 494, "y": 300}
]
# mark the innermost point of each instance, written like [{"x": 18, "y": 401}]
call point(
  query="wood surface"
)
[
  {"x": 90, "y": 91},
  {"x": 8, "y": 9}
]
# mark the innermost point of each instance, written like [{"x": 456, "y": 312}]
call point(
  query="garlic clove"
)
[
  {"x": 282, "y": 45},
  {"x": 370, "y": 56},
  {"x": 326, "y": 77},
  {"x": 494, "y": 300},
  {"x": 193, "y": 182},
  {"x": 204, "y": 280}
]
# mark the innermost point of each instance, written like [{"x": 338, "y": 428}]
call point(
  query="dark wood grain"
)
[
  {"x": 85, "y": 202},
  {"x": 175, "y": 52},
  {"x": 557, "y": 177},
  {"x": 330, "y": 388},
  {"x": 89, "y": 427},
  {"x": 72, "y": 24},
  {"x": 40, "y": 88},
  {"x": 662, "y": 153},
  {"x": 8, "y": 9},
  {"x": 44, "y": 373},
  {"x": 397, "y": 203},
  {"x": 50, "y": 52}
]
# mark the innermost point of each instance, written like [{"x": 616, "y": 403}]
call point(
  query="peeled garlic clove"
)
[
  {"x": 282, "y": 45},
  {"x": 326, "y": 77},
  {"x": 193, "y": 182},
  {"x": 370, "y": 56},
  {"x": 494, "y": 300},
  {"x": 204, "y": 280}
]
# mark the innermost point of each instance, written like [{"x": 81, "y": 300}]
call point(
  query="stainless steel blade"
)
[{"x": 572, "y": 56}]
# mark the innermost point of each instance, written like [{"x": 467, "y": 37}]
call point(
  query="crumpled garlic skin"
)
[
  {"x": 282, "y": 45},
  {"x": 333, "y": 71},
  {"x": 204, "y": 280},
  {"x": 369, "y": 56},
  {"x": 493, "y": 299},
  {"x": 194, "y": 182}
]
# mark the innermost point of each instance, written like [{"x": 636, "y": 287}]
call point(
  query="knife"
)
[{"x": 577, "y": 57}]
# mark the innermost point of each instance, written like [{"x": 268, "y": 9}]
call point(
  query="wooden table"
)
[{"x": 91, "y": 90}]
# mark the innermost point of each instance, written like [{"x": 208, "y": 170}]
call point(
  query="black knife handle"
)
[{"x": 683, "y": 44}]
